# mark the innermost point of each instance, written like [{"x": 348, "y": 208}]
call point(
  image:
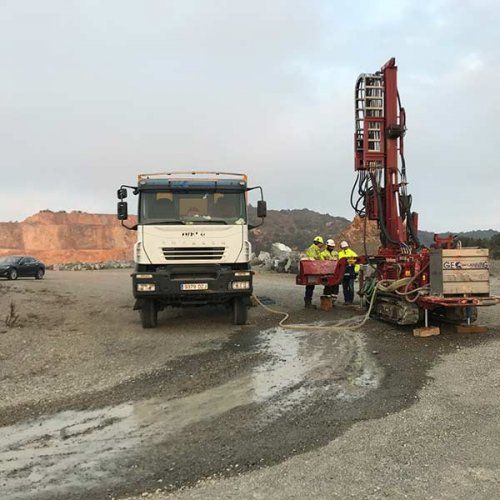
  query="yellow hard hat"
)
[{"x": 318, "y": 239}]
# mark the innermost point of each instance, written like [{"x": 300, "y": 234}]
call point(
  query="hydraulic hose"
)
[
  {"x": 381, "y": 212},
  {"x": 352, "y": 192},
  {"x": 409, "y": 223},
  {"x": 349, "y": 324}
]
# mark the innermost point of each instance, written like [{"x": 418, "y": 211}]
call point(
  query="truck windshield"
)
[{"x": 187, "y": 207}]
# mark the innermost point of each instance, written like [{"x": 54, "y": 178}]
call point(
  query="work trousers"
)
[
  {"x": 328, "y": 290},
  {"x": 348, "y": 288},
  {"x": 309, "y": 294}
]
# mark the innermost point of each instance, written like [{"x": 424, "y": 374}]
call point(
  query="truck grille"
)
[{"x": 193, "y": 253}]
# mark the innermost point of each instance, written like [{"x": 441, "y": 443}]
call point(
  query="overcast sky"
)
[{"x": 93, "y": 92}]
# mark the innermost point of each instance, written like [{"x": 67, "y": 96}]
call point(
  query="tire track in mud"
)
[
  {"x": 250, "y": 402},
  {"x": 183, "y": 375}
]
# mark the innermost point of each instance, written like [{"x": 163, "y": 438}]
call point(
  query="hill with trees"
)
[{"x": 295, "y": 228}]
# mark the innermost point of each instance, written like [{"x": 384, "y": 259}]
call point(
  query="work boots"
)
[{"x": 309, "y": 305}]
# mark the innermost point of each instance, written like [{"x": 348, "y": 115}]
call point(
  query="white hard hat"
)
[
  {"x": 330, "y": 243},
  {"x": 344, "y": 244}
]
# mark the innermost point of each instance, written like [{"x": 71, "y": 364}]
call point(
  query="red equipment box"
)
[{"x": 320, "y": 272}]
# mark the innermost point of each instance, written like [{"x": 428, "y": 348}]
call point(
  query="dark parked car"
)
[{"x": 14, "y": 266}]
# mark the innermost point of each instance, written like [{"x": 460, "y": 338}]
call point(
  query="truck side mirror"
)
[
  {"x": 121, "y": 193},
  {"x": 122, "y": 210},
  {"x": 261, "y": 209}
]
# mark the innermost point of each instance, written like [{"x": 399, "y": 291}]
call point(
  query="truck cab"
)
[{"x": 192, "y": 244}]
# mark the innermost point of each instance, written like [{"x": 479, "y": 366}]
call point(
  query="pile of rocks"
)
[
  {"x": 92, "y": 266},
  {"x": 281, "y": 259}
]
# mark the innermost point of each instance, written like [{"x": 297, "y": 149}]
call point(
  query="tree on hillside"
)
[{"x": 495, "y": 246}]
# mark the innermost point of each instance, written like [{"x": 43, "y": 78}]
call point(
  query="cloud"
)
[{"x": 95, "y": 92}]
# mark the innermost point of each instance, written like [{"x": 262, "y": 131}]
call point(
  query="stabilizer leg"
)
[{"x": 426, "y": 331}]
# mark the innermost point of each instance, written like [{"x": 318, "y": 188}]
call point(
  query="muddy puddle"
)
[{"x": 72, "y": 452}]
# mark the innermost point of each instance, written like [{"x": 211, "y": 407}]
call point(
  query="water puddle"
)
[{"x": 77, "y": 449}]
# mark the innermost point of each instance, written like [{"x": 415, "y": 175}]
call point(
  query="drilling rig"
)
[
  {"x": 409, "y": 279},
  {"x": 404, "y": 281}
]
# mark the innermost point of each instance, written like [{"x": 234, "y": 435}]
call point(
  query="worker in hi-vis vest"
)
[
  {"x": 351, "y": 271},
  {"x": 329, "y": 253},
  {"x": 314, "y": 253}
]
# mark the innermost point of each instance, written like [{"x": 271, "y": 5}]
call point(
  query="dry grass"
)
[{"x": 12, "y": 317}]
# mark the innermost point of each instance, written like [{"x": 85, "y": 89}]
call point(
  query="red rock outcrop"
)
[
  {"x": 353, "y": 233},
  {"x": 62, "y": 237}
]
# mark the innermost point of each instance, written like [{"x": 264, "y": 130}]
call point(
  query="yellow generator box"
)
[{"x": 460, "y": 271}]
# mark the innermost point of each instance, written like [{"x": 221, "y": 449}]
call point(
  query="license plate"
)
[{"x": 194, "y": 286}]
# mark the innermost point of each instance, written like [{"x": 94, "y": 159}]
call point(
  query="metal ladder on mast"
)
[{"x": 369, "y": 115}]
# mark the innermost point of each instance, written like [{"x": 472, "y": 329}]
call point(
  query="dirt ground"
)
[{"x": 93, "y": 406}]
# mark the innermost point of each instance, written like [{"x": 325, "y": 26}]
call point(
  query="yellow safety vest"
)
[
  {"x": 349, "y": 255},
  {"x": 314, "y": 252},
  {"x": 327, "y": 255}
]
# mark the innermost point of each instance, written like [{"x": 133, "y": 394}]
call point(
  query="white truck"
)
[{"x": 192, "y": 241}]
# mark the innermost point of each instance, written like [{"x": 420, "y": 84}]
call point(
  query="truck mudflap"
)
[{"x": 183, "y": 285}]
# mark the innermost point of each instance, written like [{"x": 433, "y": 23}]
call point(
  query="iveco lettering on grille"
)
[{"x": 194, "y": 234}]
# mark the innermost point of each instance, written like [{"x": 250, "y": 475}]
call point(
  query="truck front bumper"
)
[{"x": 168, "y": 286}]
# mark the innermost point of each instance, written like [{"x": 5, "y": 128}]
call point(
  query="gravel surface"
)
[
  {"x": 93, "y": 406},
  {"x": 77, "y": 332},
  {"x": 447, "y": 445}
]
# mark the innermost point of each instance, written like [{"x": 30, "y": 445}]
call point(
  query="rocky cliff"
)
[
  {"x": 353, "y": 233},
  {"x": 63, "y": 237},
  {"x": 60, "y": 237}
]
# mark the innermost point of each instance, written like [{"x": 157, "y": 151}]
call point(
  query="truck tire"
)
[
  {"x": 240, "y": 311},
  {"x": 149, "y": 314}
]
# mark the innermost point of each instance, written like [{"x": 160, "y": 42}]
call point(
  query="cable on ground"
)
[
  {"x": 344, "y": 324},
  {"x": 350, "y": 324}
]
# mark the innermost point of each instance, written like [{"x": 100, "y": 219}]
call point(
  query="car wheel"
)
[
  {"x": 149, "y": 314},
  {"x": 39, "y": 274},
  {"x": 12, "y": 274}
]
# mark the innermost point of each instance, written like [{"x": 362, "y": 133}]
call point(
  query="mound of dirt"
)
[
  {"x": 353, "y": 233},
  {"x": 61, "y": 237}
]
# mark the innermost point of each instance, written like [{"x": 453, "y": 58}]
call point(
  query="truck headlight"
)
[
  {"x": 242, "y": 273},
  {"x": 240, "y": 285},
  {"x": 146, "y": 287},
  {"x": 143, "y": 276}
]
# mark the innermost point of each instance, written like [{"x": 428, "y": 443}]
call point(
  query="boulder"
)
[
  {"x": 292, "y": 263},
  {"x": 280, "y": 251},
  {"x": 264, "y": 257}
]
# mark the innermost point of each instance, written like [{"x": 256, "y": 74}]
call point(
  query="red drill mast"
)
[{"x": 380, "y": 128}]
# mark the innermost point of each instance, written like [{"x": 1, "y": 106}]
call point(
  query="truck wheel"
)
[
  {"x": 240, "y": 311},
  {"x": 149, "y": 314}
]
